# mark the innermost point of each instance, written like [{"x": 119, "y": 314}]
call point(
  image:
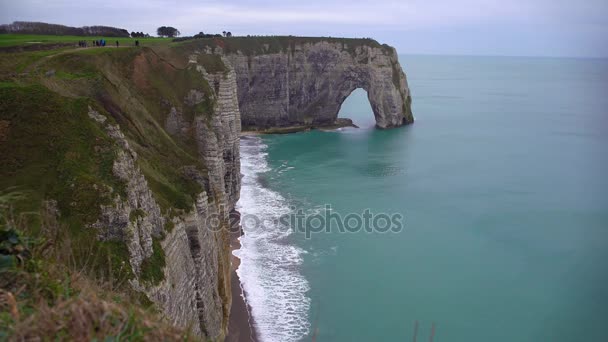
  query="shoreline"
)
[
  {"x": 339, "y": 123},
  {"x": 256, "y": 199},
  {"x": 240, "y": 322}
]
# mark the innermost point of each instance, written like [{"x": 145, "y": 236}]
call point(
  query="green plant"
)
[
  {"x": 13, "y": 251},
  {"x": 136, "y": 214},
  {"x": 49, "y": 295},
  {"x": 152, "y": 268}
]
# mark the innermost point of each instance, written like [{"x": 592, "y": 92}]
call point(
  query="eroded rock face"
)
[
  {"x": 307, "y": 85},
  {"x": 117, "y": 221},
  {"x": 195, "y": 291}
]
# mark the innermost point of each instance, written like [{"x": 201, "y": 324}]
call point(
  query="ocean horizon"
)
[{"x": 500, "y": 183}]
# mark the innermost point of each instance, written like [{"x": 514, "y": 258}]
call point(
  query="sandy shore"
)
[{"x": 240, "y": 324}]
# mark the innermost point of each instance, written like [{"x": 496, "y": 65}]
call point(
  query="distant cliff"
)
[{"x": 300, "y": 81}]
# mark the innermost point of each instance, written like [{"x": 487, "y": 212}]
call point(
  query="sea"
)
[{"x": 498, "y": 203}]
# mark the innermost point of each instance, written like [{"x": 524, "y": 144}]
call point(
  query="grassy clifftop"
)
[
  {"x": 275, "y": 44},
  {"x": 11, "y": 40}
]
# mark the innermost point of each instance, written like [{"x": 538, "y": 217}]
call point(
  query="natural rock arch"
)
[
  {"x": 306, "y": 85},
  {"x": 353, "y": 110}
]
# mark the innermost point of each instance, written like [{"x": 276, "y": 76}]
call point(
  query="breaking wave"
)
[{"x": 269, "y": 269}]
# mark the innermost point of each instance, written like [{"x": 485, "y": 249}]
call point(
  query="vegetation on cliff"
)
[
  {"x": 45, "y": 291},
  {"x": 62, "y": 162},
  {"x": 254, "y": 45}
]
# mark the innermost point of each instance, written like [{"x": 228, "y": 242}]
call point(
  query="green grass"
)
[
  {"x": 212, "y": 63},
  {"x": 8, "y": 84},
  {"x": 74, "y": 76},
  {"x": 136, "y": 214},
  {"x": 54, "y": 151},
  {"x": 27, "y": 39},
  {"x": 152, "y": 268},
  {"x": 18, "y": 62},
  {"x": 169, "y": 225},
  {"x": 46, "y": 295},
  {"x": 51, "y": 137},
  {"x": 274, "y": 44}
]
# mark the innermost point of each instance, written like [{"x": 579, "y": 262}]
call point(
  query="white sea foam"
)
[{"x": 269, "y": 269}]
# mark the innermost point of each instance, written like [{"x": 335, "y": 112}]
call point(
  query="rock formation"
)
[
  {"x": 306, "y": 83},
  {"x": 195, "y": 289}
]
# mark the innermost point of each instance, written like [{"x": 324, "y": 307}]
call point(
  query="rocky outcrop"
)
[
  {"x": 120, "y": 221},
  {"x": 217, "y": 139},
  {"x": 306, "y": 83}
]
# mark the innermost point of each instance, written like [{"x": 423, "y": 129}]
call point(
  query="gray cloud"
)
[{"x": 516, "y": 27}]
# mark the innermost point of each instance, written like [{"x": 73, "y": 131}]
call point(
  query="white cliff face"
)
[
  {"x": 195, "y": 291},
  {"x": 116, "y": 220},
  {"x": 307, "y": 85},
  {"x": 201, "y": 293}
]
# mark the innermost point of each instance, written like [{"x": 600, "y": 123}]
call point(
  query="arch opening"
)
[{"x": 357, "y": 108}]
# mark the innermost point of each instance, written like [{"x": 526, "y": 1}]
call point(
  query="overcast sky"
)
[{"x": 477, "y": 27}]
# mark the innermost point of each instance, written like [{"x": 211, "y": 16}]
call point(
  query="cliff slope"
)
[{"x": 139, "y": 156}]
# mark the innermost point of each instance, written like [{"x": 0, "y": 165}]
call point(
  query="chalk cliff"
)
[
  {"x": 194, "y": 289},
  {"x": 305, "y": 82}
]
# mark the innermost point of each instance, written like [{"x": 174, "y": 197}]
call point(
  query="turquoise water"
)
[{"x": 502, "y": 183}]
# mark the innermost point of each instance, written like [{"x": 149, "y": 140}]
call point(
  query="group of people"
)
[{"x": 100, "y": 42}]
